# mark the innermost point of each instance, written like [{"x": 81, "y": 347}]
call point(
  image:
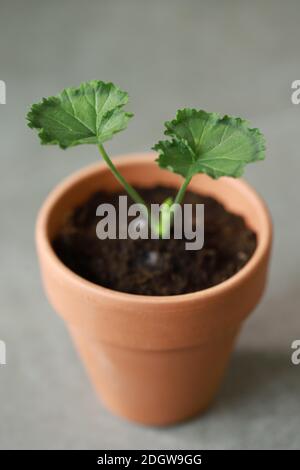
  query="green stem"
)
[
  {"x": 179, "y": 197},
  {"x": 130, "y": 190},
  {"x": 135, "y": 195},
  {"x": 182, "y": 190}
]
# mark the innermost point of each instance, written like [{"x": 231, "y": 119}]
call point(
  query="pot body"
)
[{"x": 154, "y": 360}]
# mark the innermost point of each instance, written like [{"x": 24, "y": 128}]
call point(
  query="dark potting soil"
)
[{"x": 155, "y": 267}]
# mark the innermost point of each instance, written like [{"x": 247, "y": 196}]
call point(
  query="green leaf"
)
[
  {"x": 208, "y": 143},
  {"x": 90, "y": 114}
]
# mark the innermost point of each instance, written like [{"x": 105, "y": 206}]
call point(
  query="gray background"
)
[{"x": 236, "y": 57}]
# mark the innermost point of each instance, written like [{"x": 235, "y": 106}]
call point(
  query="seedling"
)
[{"x": 199, "y": 142}]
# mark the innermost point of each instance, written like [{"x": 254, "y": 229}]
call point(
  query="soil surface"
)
[{"x": 155, "y": 267}]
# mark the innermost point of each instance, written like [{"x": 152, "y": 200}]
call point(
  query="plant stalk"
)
[
  {"x": 130, "y": 190},
  {"x": 182, "y": 190},
  {"x": 160, "y": 229},
  {"x": 179, "y": 197}
]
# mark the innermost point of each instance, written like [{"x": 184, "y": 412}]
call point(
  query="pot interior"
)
[{"x": 142, "y": 171}]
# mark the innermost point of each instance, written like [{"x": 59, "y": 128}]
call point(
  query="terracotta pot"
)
[{"x": 155, "y": 360}]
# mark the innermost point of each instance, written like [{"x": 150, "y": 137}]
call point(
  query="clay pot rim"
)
[{"x": 41, "y": 232}]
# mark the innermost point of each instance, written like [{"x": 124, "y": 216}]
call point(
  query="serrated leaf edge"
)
[{"x": 55, "y": 99}]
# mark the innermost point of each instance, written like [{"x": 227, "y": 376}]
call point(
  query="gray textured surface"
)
[{"x": 238, "y": 57}]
